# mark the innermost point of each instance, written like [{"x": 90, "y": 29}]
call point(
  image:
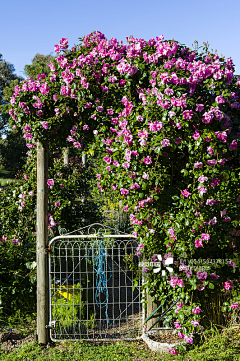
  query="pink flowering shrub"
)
[{"x": 166, "y": 119}]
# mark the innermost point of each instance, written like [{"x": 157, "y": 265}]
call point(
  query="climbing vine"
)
[{"x": 166, "y": 120}]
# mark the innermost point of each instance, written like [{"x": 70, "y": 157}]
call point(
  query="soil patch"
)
[
  {"x": 11, "y": 340},
  {"x": 165, "y": 337}
]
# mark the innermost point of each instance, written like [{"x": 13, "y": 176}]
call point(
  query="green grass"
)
[
  {"x": 6, "y": 177},
  {"x": 216, "y": 347}
]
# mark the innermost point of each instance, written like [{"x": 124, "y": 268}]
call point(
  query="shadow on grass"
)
[
  {"x": 6, "y": 177},
  {"x": 6, "y": 174}
]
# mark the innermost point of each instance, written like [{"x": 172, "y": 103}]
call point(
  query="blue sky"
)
[{"x": 31, "y": 27}]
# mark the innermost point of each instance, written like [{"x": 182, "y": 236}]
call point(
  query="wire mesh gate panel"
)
[{"x": 91, "y": 288}]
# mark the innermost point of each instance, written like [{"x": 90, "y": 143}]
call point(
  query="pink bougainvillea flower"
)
[
  {"x": 180, "y": 283},
  {"x": 202, "y": 179},
  {"x": 173, "y": 280},
  {"x": 232, "y": 264},
  {"x": 202, "y": 190},
  {"x": 212, "y": 221},
  {"x": 199, "y": 107},
  {"x": 147, "y": 160},
  {"x": 50, "y": 182},
  {"x": 124, "y": 191},
  {"x": 173, "y": 351},
  {"x": 180, "y": 304},
  {"x": 180, "y": 334},
  {"x": 77, "y": 145},
  {"x": 165, "y": 142},
  {"x": 115, "y": 187},
  {"x": 222, "y": 161},
  {"x": 234, "y": 305},
  {"x": 215, "y": 182},
  {"x": 28, "y": 136},
  {"x": 227, "y": 285},
  {"x": 27, "y": 128},
  {"x": 135, "y": 186},
  {"x": 205, "y": 236},
  {"x": 198, "y": 243},
  {"x": 227, "y": 219},
  {"x": 201, "y": 287},
  {"x": 57, "y": 204},
  {"x": 185, "y": 193},
  {"x": 214, "y": 276},
  {"x": 178, "y": 325},
  {"x": 195, "y": 323},
  {"x": 202, "y": 275},
  {"x": 211, "y": 162},
  {"x": 108, "y": 160},
  {"x": 45, "y": 125},
  {"x": 188, "y": 339},
  {"x": 145, "y": 176},
  {"x": 196, "y": 310},
  {"x": 196, "y": 135},
  {"x": 223, "y": 213},
  {"x": 126, "y": 165},
  {"x": 187, "y": 114},
  {"x": 178, "y": 140},
  {"x": 140, "y": 118},
  {"x": 171, "y": 114},
  {"x": 198, "y": 165},
  {"x": 233, "y": 145},
  {"x": 188, "y": 273},
  {"x": 219, "y": 99}
]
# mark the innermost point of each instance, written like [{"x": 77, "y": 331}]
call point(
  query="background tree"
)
[
  {"x": 13, "y": 151},
  {"x": 13, "y": 147},
  {"x": 39, "y": 66},
  {"x": 6, "y": 77}
]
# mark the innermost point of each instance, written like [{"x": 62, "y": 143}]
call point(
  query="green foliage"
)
[
  {"x": 7, "y": 76},
  {"x": 76, "y": 209},
  {"x": 39, "y": 66},
  {"x": 69, "y": 311},
  {"x": 13, "y": 151}
]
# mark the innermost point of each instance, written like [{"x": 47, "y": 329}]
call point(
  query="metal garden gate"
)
[{"x": 91, "y": 289}]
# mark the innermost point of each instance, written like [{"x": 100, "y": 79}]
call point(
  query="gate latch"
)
[{"x": 51, "y": 324}]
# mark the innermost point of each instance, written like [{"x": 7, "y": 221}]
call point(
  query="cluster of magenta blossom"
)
[{"x": 166, "y": 119}]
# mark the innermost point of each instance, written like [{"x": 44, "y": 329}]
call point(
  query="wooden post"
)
[
  {"x": 42, "y": 240},
  {"x": 151, "y": 307},
  {"x": 66, "y": 156},
  {"x": 84, "y": 159}
]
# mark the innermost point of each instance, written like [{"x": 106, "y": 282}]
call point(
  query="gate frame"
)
[{"x": 82, "y": 236}]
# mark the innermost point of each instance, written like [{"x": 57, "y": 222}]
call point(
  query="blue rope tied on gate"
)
[{"x": 100, "y": 257}]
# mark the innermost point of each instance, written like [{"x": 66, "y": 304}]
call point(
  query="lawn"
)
[
  {"x": 6, "y": 177},
  {"x": 218, "y": 345}
]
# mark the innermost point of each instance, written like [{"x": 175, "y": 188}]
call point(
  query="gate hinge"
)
[{"x": 47, "y": 249}]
